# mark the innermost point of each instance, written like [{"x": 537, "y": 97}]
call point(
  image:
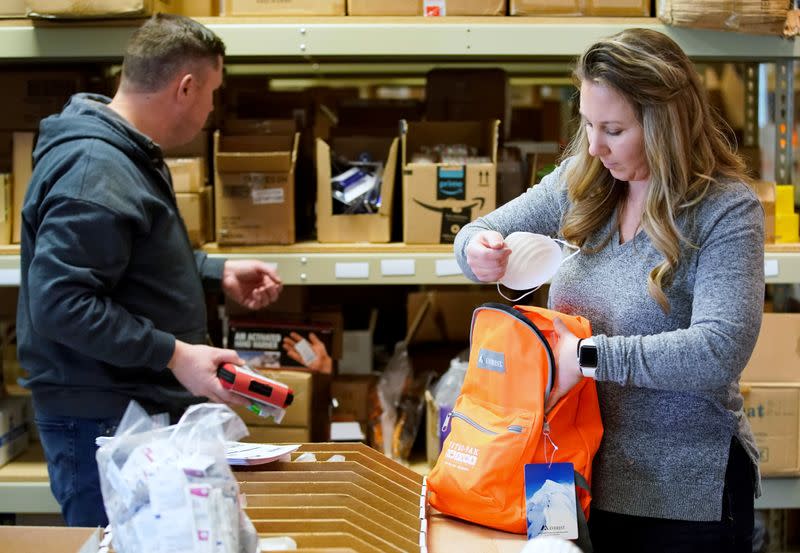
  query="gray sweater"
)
[{"x": 668, "y": 383}]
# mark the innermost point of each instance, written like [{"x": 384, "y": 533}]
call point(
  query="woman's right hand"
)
[{"x": 487, "y": 255}]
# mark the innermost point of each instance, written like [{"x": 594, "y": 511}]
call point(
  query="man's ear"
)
[{"x": 184, "y": 89}]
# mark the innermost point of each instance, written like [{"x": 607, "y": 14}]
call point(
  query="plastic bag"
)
[
  {"x": 169, "y": 489},
  {"x": 390, "y": 389}
]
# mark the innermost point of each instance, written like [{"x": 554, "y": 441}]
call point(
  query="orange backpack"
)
[{"x": 498, "y": 422}]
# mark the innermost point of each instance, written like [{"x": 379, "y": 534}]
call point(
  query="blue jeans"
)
[
  {"x": 69, "y": 449},
  {"x": 617, "y": 533}
]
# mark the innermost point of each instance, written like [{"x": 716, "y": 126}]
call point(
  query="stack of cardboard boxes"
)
[{"x": 771, "y": 389}]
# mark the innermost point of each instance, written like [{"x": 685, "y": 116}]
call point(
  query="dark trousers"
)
[
  {"x": 69, "y": 449},
  {"x": 616, "y": 533}
]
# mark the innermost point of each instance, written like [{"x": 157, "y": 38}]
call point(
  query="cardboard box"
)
[
  {"x": 277, "y": 434},
  {"x": 47, "y": 539},
  {"x": 192, "y": 207},
  {"x": 440, "y": 198},
  {"x": 260, "y": 342},
  {"x": 764, "y": 17},
  {"x": 299, "y": 413},
  {"x": 254, "y": 189},
  {"x": 13, "y": 428},
  {"x": 766, "y": 195},
  {"x": 619, "y": 8},
  {"x": 362, "y": 227},
  {"x": 546, "y": 7},
  {"x": 776, "y": 357},
  {"x": 200, "y": 8},
  {"x": 207, "y": 204},
  {"x": 284, "y": 7},
  {"x": 13, "y": 8},
  {"x": 449, "y": 317},
  {"x": 352, "y": 393},
  {"x": 80, "y": 9},
  {"x": 415, "y": 7},
  {"x": 30, "y": 96},
  {"x": 198, "y": 147},
  {"x": 22, "y": 164},
  {"x": 774, "y": 414},
  {"x": 188, "y": 174},
  {"x": 6, "y": 207}
]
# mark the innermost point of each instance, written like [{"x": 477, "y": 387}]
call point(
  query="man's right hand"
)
[
  {"x": 487, "y": 255},
  {"x": 195, "y": 366}
]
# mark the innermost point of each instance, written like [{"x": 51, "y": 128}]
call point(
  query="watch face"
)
[{"x": 588, "y": 357}]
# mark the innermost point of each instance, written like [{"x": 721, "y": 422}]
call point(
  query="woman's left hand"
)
[{"x": 568, "y": 372}]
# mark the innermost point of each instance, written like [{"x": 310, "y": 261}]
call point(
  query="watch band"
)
[{"x": 587, "y": 357}]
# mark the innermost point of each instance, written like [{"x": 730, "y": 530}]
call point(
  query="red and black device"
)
[{"x": 244, "y": 381}]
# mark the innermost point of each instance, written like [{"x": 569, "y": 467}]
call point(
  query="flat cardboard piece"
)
[
  {"x": 407, "y": 527},
  {"x": 404, "y": 498},
  {"x": 405, "y": 538},
  {"x": 363, "y": 449},
  {"x": 380, "y": 541},
  {"x": 22, "y": 164},
  {"x": 261, "y": 493},
  {"x": 448, "y": 534}
]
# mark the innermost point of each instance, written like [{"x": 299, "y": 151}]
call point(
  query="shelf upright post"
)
[
  {"x": 784, "y": 120},
  {"x": 750, "y": 104}
]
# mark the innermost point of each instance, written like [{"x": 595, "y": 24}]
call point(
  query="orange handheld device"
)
[{"x": 256, "y": 387}]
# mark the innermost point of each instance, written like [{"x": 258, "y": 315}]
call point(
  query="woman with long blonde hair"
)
[{"x": 670, "y": 274}]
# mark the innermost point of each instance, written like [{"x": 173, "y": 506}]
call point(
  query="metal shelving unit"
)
[
  {"x": 392, "y": 38},
  {"x": 366, "y": 45},
  {"x": 314, "y": 263}
]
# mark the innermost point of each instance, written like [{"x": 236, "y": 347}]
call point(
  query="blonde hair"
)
[{"x": 685, "y": 145}]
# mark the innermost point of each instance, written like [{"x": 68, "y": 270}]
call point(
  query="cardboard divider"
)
[
  {"x": 325, "y": 541},
  {"x": 404, "y": 498},
  {"x": 289, "y": 527},
  {"x": 367, "y": 503},
  {"x": 391, "y": 481},
  {"x": 405, "y": 527},
  {"x": 407, "y": 538},
  {"x": 347, "y": 447},
  {"x": 262, "y": 493},
  {"x": 412, "y": 482}
]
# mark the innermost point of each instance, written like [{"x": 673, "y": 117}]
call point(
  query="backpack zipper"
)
[{"x": 517, "y": 429}]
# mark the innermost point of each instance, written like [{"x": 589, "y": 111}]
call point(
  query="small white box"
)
[{"x": 357, "y": 348}]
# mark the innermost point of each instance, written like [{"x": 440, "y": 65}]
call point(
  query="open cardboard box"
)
[
  {"x": 362, "y": 227},
  {"x": 773, "y": 410},
  {"x": 440, "y": 198},
  {"x": 254, "y": 188}
]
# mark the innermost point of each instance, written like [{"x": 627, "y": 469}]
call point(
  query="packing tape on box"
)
[
  {"x": 423, "y": 526},
  {"x": 422, "y": 514}
]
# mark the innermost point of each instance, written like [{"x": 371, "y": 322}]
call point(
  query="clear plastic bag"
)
[{"x": 169, "y": 489}]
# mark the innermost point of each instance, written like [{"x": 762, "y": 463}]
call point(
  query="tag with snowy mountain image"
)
[{"x": 550, "y": 502}]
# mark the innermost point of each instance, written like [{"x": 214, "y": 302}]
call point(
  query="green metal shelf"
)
[{"x": 391, "y": 38}]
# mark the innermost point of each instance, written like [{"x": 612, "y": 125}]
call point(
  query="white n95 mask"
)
[{"x": 534, "y": 259}]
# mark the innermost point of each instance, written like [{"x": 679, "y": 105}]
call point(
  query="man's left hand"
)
[{"x": 251, "y": 283}]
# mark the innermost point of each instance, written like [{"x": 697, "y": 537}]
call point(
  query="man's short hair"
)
[{"x": 161, "y": 47}]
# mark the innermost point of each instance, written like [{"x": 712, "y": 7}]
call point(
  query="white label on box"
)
[
  {"x": 398, "y": 267},
  {"x": 352, "y": 270},
  {"x": 267, "y": 196},
  {"x": 434, "y": 8},
  {"x": 447, "y": 267},
  {"x": 771, "y": 268}
]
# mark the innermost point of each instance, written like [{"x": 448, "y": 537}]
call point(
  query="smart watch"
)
[{"x": 587, "y": 356}]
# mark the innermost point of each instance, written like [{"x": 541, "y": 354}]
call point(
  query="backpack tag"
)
[{"x": 551, "y": 506}]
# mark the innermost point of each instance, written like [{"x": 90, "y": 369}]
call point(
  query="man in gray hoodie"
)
[{"x": 112, "y": 305}]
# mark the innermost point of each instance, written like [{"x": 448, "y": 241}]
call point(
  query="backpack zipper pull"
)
[
  {"x": 446, "y": 421},
  {"x": 548, "y": 439}
]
